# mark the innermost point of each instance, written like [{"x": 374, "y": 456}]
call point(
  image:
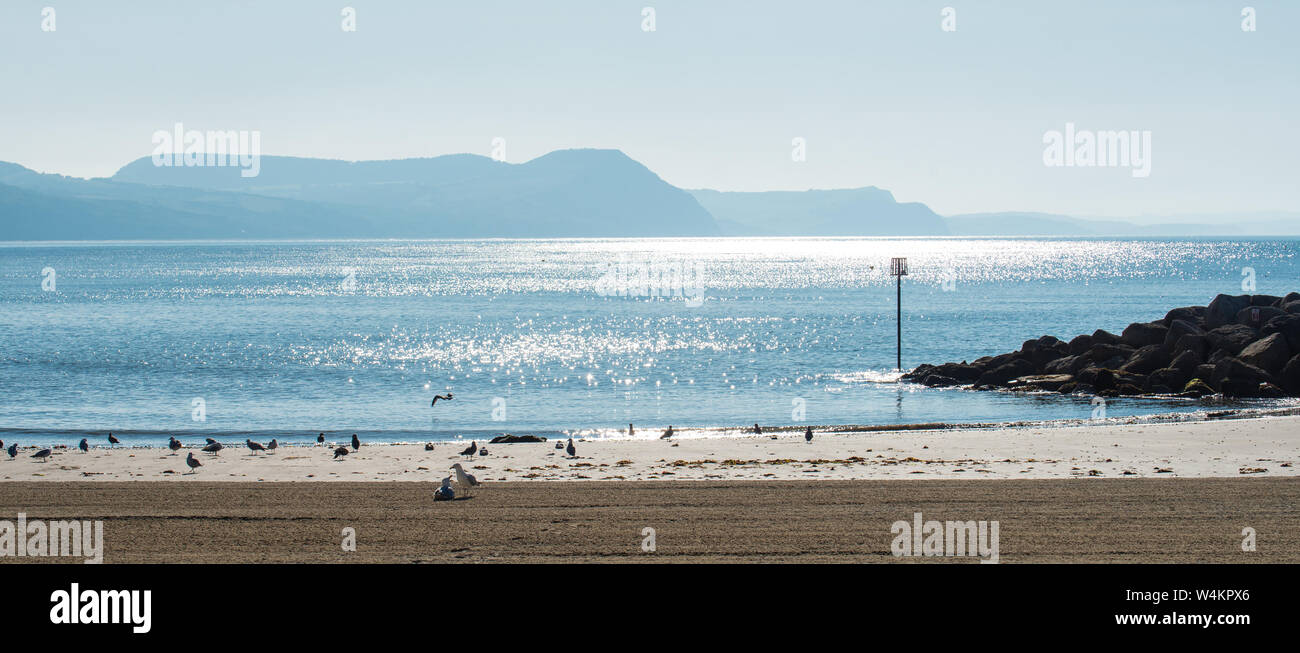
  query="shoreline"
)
[{"x": 1217, "y": 446}]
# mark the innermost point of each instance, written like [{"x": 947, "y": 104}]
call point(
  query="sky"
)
[{"x": 881, "y": 94}]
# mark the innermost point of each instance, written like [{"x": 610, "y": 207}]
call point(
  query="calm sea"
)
[{"x": 288, "y": 339}]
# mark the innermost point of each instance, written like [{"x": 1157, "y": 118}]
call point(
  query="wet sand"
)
[{"x": 1054, "y": 520}]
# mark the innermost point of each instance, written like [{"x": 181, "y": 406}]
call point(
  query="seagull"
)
[
  {"x": 356, "y": 444},
  {"x": 192, "y": 462},
  {"x": 340, "y": 452},
  {"x": 630, "y": 430},
  {"x": 571, "y": 450},
  {"x": 254, "y": 446},
  {"x": 41, "y": 455},
  {"x": 667, "y": 434},
  {"x": 211, "y": 441},
  {"x": 12, "y": 450},
  {"x": 173, "y": 444},
  {"x": 112, "y": 440},
  {"x": 320, "y": 439},
  {"x": 83, "y": 446},
  {"x": 446, "y": 397},
  {"x": 464, "y": 478},
  {"x": 559, "y": 445},
  {"x": 473, "y": 448},
  {"x": 757, "y": 429},
  {"x": 807, "y": 435},
  {"x": 272, "y": 445},
  {"x": 428, "y": 446},
  {"x": 213, "y": 447},
  {"x": 483, "y": 451}
]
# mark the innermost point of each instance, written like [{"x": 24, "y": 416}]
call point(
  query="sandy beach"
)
[
  {"x": 1106, "y": 520},
  {"x": 1265, "y": 447}
]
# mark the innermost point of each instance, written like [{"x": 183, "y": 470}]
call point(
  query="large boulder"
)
[
  {"x": 1167, "y": 380},
  {"x": 508, "y": 438},
  {"x": 1005, "y": 373},
  {"x": 1178, "y": 329},
  {"x": 1265, "y": 300},
  {"x": 1104, "y": 337},
  {"x": 1080, "y": 344},
  {"x": 1146, "y": 360},
  {"x": 1066, "y": 365},
  {"x": 1290, "y": 376},
  {"x": 1269, "y": 353},
  {"x": 1197, "y": 344},
  {"x": 1051, "y": 382},
  {"x": 1235, "y": 368},
  {"x": 1141, "y": 334},
  {"x": 1193, "y": 314},
  {"x": 1231, "y": 338},
  {"x": 1099, "y": 378},
  {"x": 1288, "y": 326},
  {"x": 1256, "y": 316},
  {"x": 1292, "y": 307},
  {"x": 1186, "y": 361},
  {"x": 1223, "y": 310}
]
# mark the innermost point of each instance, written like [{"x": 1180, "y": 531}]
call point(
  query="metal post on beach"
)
[{"x": 898, "y": 270}]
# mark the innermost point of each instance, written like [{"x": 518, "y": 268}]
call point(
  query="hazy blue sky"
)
[{"x": 711, "y": 99}]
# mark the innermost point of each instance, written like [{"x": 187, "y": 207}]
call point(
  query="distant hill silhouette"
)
[
  {"x": 866, "y": 211},
  {"x": 568, "y": 193}
]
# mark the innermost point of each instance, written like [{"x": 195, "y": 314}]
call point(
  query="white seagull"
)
[{"x": 464, "y": 479}]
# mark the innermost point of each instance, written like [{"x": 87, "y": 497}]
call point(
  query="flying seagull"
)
[
  {"x": 254, "y": 446},
  {"x": 356, "y": 444},
  {"x": 41, "y": 455},
  {"x": 571, "y": 450},
  {"x": 340, "y": 452},
  {"x": 446, "y": 397},
  {"x": 83, "y": 446},
  {"x": 192, "y": 462},
  {"x": 807, "y": 435},
  {"x": 464, "y": 478},
  {"x": 112, "y": 440},
  {"x": 173, "y": 444},
  {"x": 471, "y": 450}
]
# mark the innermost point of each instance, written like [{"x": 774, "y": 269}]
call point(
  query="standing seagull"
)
[
  {"x": 356, "y": 444},
  {"x": 464, "y": 478},
  {"x": 446, "y": 397},
  {"x": 192, "y": 462},
  {"x": 272, "y": 445},
  {"x": 340, "y": 452},
  {"x": 320, "y": 439},
  {"x": 83, "y": 446},
  {"x": 667, "y": 434},
  {"x": 473, "y": 449},
  {"x": 173, "y": 444},
  {"x": 12, "y": 450},
  {"x": 254, "y": 446},
  {"x": 571, "y": 450},
  {"x": 807, "y": 435},
  {"x": 757, "y": 429},
  {"x": 41, "y": 455},
  {"x": 113, "y": 440},
  {"x": 213, "y": 448}
]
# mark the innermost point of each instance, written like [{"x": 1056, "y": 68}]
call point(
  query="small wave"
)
[{"x": 869, "y": 376}]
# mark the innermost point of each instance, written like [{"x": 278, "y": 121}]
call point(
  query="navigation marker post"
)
[{"x": 898, "y": 270}]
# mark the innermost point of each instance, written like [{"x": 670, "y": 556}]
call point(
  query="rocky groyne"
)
[{"x": 1238, "y": 346}]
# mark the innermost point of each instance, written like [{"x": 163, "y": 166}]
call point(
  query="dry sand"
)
[
  {"x": 1064, "y": 520},
  {"x": 1266, "y": 446}
]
